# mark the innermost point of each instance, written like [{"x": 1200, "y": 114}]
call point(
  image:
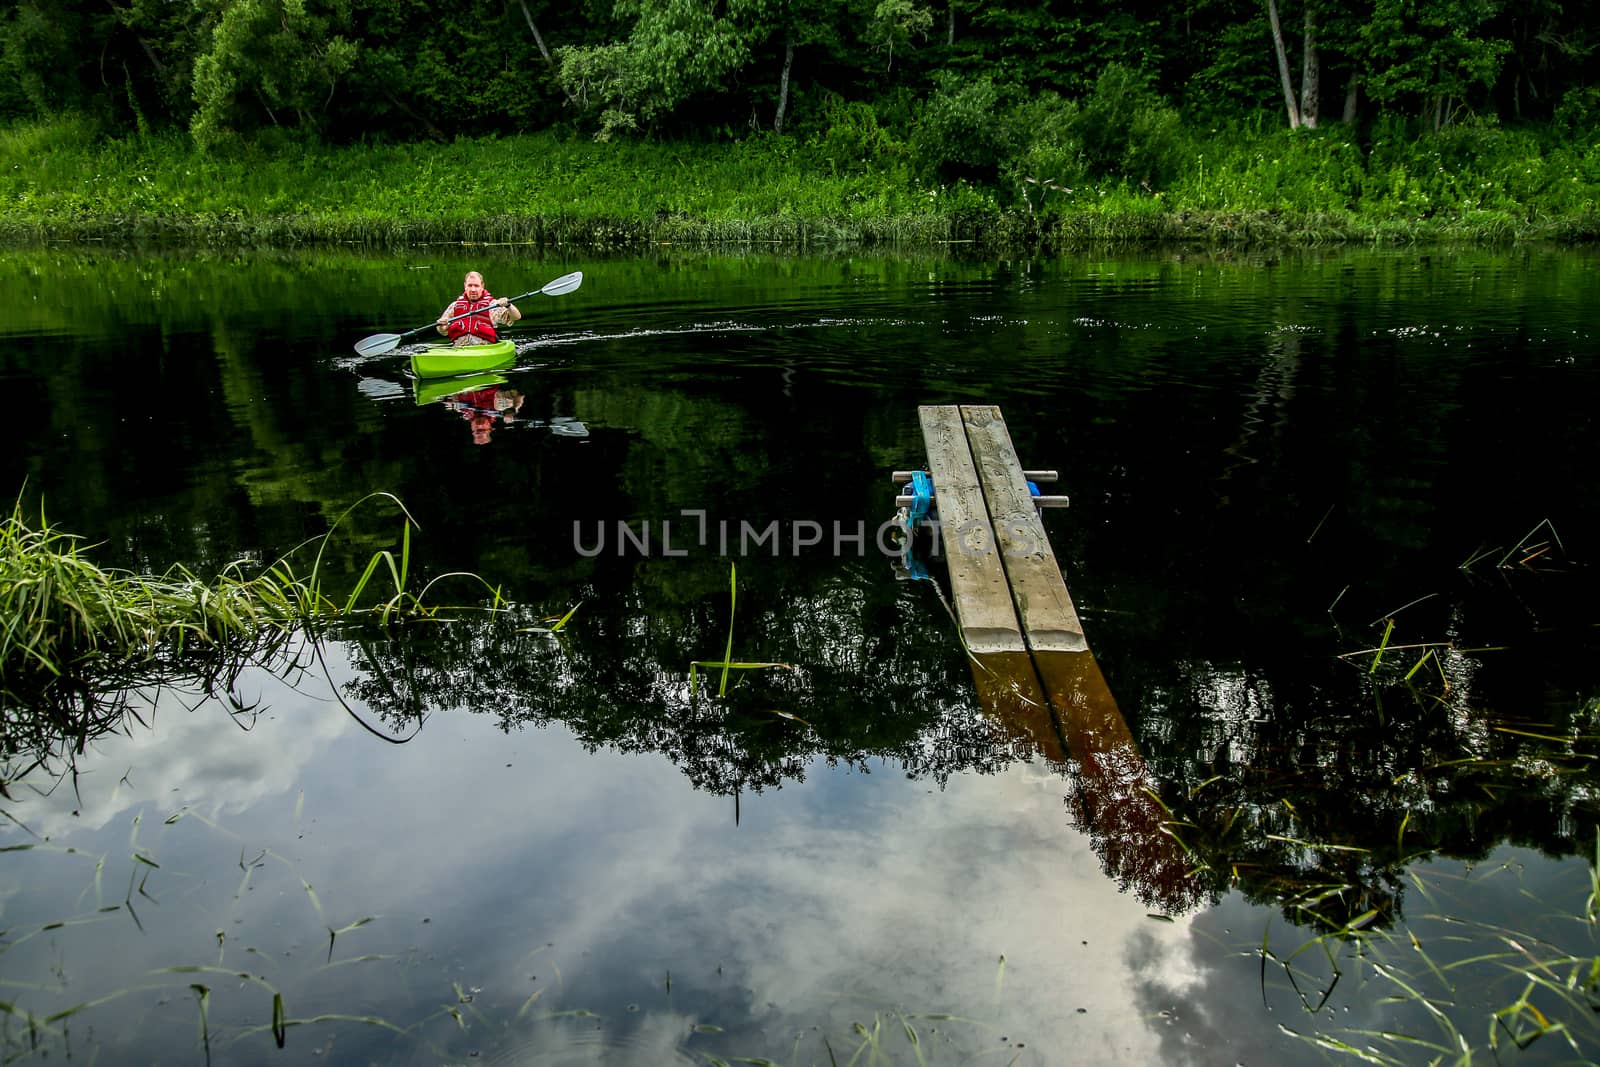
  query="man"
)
[{"x": 477, "y": 329}]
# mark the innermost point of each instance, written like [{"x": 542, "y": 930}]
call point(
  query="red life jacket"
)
[{"x": 473, "y": 324}]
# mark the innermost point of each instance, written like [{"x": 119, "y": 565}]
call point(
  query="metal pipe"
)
[
  {"x": 1032, "y": 476},
  {"x": 1041, "y": 501}
]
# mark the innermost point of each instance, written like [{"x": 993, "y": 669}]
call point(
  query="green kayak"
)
[
  {"x": 434, "y": 390},
  {"x": 442, "y": 361}
]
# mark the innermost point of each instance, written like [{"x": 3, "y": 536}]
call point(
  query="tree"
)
[
  {"x": 39, "y": 58},
  {"x": 280, "y": 58},
  {"x": 898, "y": 22},
  {"x": 159, "y": 41},
  {"x": 1303, "y": 113},
  {"x": 676, "y": 49},
  {"x": 1430, "y": 54}
]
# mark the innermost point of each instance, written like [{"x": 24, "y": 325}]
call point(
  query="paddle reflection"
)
[{"x": 486, "y": 402}]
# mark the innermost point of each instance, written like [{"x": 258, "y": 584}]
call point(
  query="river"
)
[{"x": 1331, "y": 514}]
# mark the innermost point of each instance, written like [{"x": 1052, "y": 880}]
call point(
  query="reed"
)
[
  {"x": 72, "y": 632},
  {"x": 1462, "y": 990},
  {"x": 76, "y": 638},
  {"x": 727, "y": 663}
]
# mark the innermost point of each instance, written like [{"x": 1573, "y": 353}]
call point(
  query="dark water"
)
[{"x": 575, "y": 858}]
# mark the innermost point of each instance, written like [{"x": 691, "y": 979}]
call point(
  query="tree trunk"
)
[
  {"x": 1351, "y": 92},
  {"x": 950, "y": 25},
  {"x": 433, "y": 131},
  {"x": 149, "y": 53},
  {"x": 1310, "y": 77},
  {"x": 1283, "y": 64},
  {"x": 538, "y": 39},
  {"x": 783, "y": 84}
]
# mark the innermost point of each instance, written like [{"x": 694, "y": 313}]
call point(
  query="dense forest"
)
[
  {"x": 960, "y": 76},
  {"x": 1381, "y": 119}
]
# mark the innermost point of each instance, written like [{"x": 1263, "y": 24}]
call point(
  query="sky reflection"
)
[{"x": 502, "y": 864}]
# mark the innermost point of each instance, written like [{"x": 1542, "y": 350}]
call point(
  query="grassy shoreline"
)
[{"x": 60, "y": 182}]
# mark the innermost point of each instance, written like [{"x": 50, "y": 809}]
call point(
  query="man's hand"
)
[{"x": 504, "y": 301}]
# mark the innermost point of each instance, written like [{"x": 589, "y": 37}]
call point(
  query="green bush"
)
[
  {"x": 957, "y": 136},
  {"x": 1157, "y": 145},
  {"x": 852, "y": 140},
  {"x": 1577, "y": 117},
  {"x": 1049, "y": 161},
  {"x": 1126, "y": 131}
]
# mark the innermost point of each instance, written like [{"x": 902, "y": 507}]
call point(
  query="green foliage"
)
[
  {"x": 38, "y": 58},
  {"x": 1230, "y": 75},
  {"x": 1577, "y": 117},
  {"x": 159, "y": 41},
  {"x": 853, "y": 141},
  {"x": 957, "y": 135},
  {"x": 1058, "y": 47},
  {"x": 280, "y": 58},
  {"x": 1051, "y": 159},
  {"x": 1120, "y": 131},
  {"x": 607, "y": 79},
  {"x": 851, "y": 181},
  {"x": 1431, "y": 52},
  {"x": 675, "y": 50},
  {"x": 406, "y": 69},
  {"x": 896, "y": 24},
  {"x": 1126, "y": 130}
]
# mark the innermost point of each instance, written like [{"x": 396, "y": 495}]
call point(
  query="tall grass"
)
[
  {"x": 77, "y": 638},
  {"x": 1231, "y": 186}
]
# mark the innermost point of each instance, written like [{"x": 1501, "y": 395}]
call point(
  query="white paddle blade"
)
[
  {"x": 564, "y": 284},
  {"x": 377, "y": 344}
]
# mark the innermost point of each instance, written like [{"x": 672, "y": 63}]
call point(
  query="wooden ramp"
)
[
  {"x": 1031, "y": 663},
  {"x": 1007, "y": 588}
]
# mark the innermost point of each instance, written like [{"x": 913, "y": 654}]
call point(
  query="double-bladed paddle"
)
[{"x": 380, "y": 343}]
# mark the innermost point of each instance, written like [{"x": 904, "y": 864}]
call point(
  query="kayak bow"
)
[{"x": 443, "y": 361}]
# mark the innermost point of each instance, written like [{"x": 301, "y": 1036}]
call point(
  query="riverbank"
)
[{"x": 61, "y": 182}]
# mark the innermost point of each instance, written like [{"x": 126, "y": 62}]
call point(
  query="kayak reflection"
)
[{"x": 485, "y": 401}]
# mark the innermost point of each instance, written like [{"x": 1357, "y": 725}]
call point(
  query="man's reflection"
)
[{"x": 481, "y": 407}]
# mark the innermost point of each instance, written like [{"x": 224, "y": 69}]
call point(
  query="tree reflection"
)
[
  {"x": 619, "y": 678},
  {"x": 1309, "y": 791}
]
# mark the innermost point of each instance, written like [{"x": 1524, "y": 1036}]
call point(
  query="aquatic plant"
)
[
  {"x": 77, "y": 638},
  {"x": 726, "y": 663},
  {"x": 1463, "y": 987}
]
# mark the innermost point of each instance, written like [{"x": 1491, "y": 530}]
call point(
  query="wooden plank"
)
[
  {"x": 1010, "y": 694},
  {"x": 1049, "y": 620},
  {"x": 977, "y": 580}
]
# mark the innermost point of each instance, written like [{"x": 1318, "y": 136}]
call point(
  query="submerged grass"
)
[
  {"x": 1461, "y": 988},
  {"x": 257, "y": 986}
]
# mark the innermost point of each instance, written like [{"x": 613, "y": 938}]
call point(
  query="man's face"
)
[{"x": 474, "y": 285}]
